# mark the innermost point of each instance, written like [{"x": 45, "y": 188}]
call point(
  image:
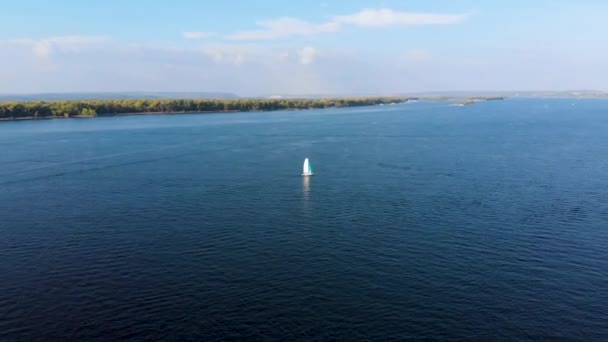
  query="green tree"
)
[
  {"x": 88, "y": 112},
  {"x": 101, "y": 107}
]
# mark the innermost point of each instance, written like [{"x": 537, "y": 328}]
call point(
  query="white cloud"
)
[
  {"x": 148, "y": 48},
  {"x": 307, "y": 55},
  {"x": 236, "y": 54},
  {"x": 196, "y": 35},
  {"x": 43, "y": 48},
  {"x": 417, "y": 55},
  {"x": 238, "y": 59},
  {"x": 284, "y": 27},
  {"x": 223, "y": 54},
  {"x": 370, "y": 17},
  {"x": 283, "y": 56},
  {"x": 216, "y": 55}
]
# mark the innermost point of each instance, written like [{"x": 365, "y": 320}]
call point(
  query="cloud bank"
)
[
  {"x": 282, "y": 28},
  {"x": 367, "y": 18},
  {"x": 45, "y": 47},
  {"x": 384, "y": 17},
  {"x": 196, "y": 35},
  {"x": 254, "y": 63}
]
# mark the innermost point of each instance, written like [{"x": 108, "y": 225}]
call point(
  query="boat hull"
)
[{"x": 307, "y": 174}]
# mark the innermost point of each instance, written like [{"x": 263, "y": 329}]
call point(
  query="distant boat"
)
[{"x": 307, "y": 168}]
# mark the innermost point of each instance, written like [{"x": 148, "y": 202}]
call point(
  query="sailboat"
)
[{"x": 307, "y": 168}]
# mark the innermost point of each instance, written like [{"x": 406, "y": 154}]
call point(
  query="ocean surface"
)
[{"x": 423, "y": 221}]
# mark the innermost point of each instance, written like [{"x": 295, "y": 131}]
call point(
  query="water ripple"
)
[{"x": 422, "y": 227}]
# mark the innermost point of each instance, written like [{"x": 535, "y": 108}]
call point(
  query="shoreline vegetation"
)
[
  {"x": 475, "y": 99},
  {"x": 32, "y": 110}
]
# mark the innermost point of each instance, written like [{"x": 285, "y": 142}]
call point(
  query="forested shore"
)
[{"x": 91, "y": 108}]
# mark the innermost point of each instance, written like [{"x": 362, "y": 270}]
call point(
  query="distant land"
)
[
  {"x": 20, "y": 110},
  {"x": 599, "y": 94},
  {"x": 66, "y": 105},
  {"x": 462, "y": 95},
  {"x": 449, "y": 95}
]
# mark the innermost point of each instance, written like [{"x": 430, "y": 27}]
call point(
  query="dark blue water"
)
[{"x": 485, "y": 222}]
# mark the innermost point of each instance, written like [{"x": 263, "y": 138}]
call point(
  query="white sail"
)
[{"x": 306, "y": 169}]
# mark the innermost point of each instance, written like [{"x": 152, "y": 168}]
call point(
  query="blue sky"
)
[{"x": 297, "y": 47}]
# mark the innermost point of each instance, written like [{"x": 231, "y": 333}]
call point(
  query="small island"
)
[
  {"x": 17, "y": 110},
  {"x": 475, "y": 99}
]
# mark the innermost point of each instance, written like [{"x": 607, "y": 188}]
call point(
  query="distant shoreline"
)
[
  {"x": 43, "y": 110},
  {"x": 126, "y": 114},
  {"x": 81, "y": 109}
]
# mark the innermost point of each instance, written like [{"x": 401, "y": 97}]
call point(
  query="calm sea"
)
[{"x": 484, "y": 222}]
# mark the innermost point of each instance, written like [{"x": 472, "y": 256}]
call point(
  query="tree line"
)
[{"x": 88, "y": 108}]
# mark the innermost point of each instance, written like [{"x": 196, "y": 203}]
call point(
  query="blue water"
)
[{"x": 484, "y": 222}]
